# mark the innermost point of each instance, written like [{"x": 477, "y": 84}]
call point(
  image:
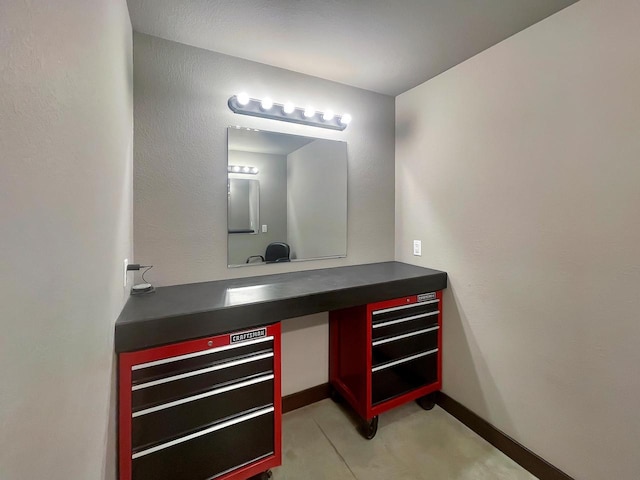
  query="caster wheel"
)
[
  {"x": 263, "y": 476},
  {"x": 335, "y": 396},
  {"x": 368, "y": 429},
  {"x": 427, "y": 402},
  {"x": 266, "y": 475}
]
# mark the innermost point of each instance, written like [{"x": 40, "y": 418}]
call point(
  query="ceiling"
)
[{"x": 386, "y": 46}]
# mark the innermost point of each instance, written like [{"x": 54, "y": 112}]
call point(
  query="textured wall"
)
[
  {"x": 519, "y": 170},
  {"x": 180, "y": 167},
  {"x": 66, "y": 221}
]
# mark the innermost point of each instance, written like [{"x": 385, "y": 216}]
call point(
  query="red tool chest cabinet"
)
[
  {"x": 206, "y": 408},
  {"x": 385, "y": 354}
]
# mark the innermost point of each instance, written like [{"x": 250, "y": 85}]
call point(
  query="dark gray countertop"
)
[{"x": 184, "y": 312}]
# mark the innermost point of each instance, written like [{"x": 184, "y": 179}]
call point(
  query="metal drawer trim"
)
[
  {"x": 201, "y": 433},
  {"x": 405, "y": 319},
  {"x": 404, "y": 335},
  {"x": 402, "y": 360},
  {"x": 202, "y": 371},
  {"x": 402, "y": 307},
  {"x": 162, "y": 361},
  {"x": 200, "y": 396}
]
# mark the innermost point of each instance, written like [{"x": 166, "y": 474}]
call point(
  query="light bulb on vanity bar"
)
[
  {"x": 266, "y": 103},
  {"x": 243, "y": 98},
  {"x": 345, "y": 119}
]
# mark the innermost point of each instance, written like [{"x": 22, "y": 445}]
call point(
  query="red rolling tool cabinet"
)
[
  {"x": 385, "y": 354},
  {"x": 206, "y": 408}
]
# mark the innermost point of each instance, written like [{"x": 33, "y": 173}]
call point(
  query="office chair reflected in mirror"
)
[{"x": 276, "y": 252}]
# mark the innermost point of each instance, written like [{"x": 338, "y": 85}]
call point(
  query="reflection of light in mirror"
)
[
  {"x": 242, "y": 169},
  {"x": 309, "y": 112},
  {"x": 288, "y": 108},
  {"x": 327, "y": 115},
  {"x": 243, "y": 98}
]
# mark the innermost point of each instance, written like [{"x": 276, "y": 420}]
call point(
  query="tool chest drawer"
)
[
  {"x": 202, "y": 409},
  {"x": 406, "y": 323},
  {"x": 164, "y": 389},
  {"x": 227, "y": 446},
  {"x": 405, "y": 345},
  {"x": 194, "y": 361}
]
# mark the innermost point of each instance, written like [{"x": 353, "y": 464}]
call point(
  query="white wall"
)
[
  {"x": 317, "y": 195},
  {"x": 66, "y": 222},
  {"x": 272, "y": 175},
  {"x": 520, "y": 171},
  {"x": 180, "y": 169}
]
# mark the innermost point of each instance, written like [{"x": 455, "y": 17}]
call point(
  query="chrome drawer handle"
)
[
  {"x": 405, "y": 319},
  {"x": 402, "y": 307},
  {"x": 200, "y": 396},
  {"x": 206, "y": 431},
  {"x": 162, "y": 361},
  {"x": 193, "y": 373},
  {"x": 405, "y": 335},
  {"x": 402, "y": 360}
]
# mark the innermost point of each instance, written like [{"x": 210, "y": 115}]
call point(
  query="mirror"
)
[{"x": 287, "y": 197}]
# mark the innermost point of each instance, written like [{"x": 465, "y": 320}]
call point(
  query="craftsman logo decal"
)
[
  {"x": 244, "y": 336},
  {"x": 424, "y": 297}
]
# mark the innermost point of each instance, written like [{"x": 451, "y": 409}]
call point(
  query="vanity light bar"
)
[
  {"x": 267, "y": 108},
  {"x": 242, "y": 169}
]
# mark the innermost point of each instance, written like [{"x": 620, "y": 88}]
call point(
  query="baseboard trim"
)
[
  {"x": 520, "y": 454},
  {"x": 305, "y": 397}
]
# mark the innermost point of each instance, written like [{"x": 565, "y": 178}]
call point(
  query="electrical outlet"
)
[
  {"x": 264, "y": 229},
  {"x": 417, "y": 248},
  {"x": 126, "y": 264}
]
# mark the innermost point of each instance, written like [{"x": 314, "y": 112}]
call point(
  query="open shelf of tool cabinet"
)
[
  {"x": 385, "y": 354},
  {"x": 207, "y": 408}
]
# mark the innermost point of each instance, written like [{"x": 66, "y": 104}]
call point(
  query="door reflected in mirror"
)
[
  {"x": 243, "y": 206},
  {"x": 288, "y": 202}
]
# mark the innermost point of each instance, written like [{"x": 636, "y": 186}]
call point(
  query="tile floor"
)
[{"x": 320, "y": 442}]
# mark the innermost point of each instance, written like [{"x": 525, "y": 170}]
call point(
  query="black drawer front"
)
[
  {"x": 404, "y": 347},
  {"x": 163, "y": 425},
  {"x": 209, "y": 455},
  {"x": 403, "y": 378},
  {"x": 403, "y": 311},
  {"x": 195, "y": 361},
  {"x": 192, "y": 385},
  {"x": 400, "y": 326}
]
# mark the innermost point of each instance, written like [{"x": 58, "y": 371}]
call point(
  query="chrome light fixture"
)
[{"x": 287, "y": 112}]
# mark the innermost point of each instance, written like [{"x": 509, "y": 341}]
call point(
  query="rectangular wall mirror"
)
[{"x": 287, "y": 197}]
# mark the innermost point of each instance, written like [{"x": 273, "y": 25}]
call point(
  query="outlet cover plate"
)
[{"x": 417, "y": 248}]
